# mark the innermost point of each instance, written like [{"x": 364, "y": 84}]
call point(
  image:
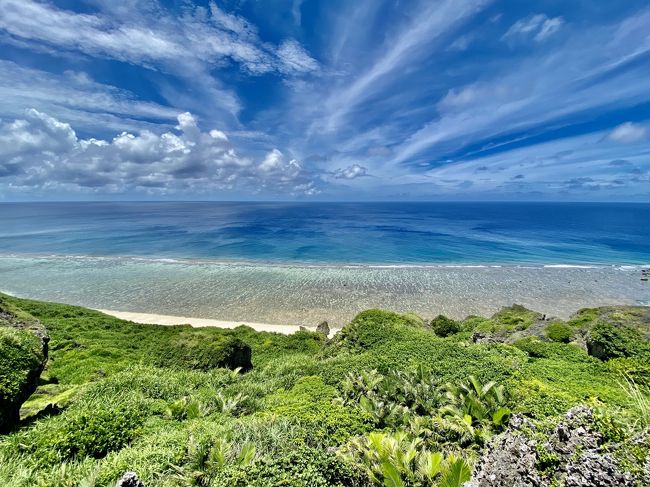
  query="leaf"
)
[
  {"x": 392, "y": 477},
  {"x": 457, "y": 474},
  {"x": 246, "y": 454},
  {"x": 501, "y": 416}
]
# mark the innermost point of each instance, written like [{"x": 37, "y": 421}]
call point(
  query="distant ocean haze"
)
[{"x": 297, "y": 263}]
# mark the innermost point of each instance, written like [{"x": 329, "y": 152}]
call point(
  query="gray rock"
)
[
  {"x": 592, "y": 469},
  {"x": 129, "y": 479},
  {"x": 509, "y": 460},
  {"x": 512, "y": 458},
  {"x": 324, "y": 328}
]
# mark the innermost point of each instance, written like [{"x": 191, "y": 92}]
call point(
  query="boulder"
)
[
  {"x": 23, "y": 354},
  {"x": 324, "y": 328}
]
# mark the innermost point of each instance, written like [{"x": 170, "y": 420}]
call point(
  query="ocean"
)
[{"x": 298, "y": 263}]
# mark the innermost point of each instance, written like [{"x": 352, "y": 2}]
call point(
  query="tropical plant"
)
[
  {"x": 400, "y": 459},
  {"x": 478, "y": 404}
]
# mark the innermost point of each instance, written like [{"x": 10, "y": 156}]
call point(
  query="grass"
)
[{"x": 117, "y": 396}]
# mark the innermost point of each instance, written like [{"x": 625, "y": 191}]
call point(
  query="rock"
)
[
  {"x": 509, "y": 460},
  {"x": 302, "y": 328},
  {"x": 324, "y": 328},
  {"x": 23, "y": 354},
  {"x": 593, "y": 469},
  {"x": 573, "y": 446},
  {"x": 129, "y": 479},
  {"x": 484, "y": 337}
]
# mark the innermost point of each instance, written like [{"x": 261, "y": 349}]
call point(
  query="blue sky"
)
[{"x": 325, "y": 100}]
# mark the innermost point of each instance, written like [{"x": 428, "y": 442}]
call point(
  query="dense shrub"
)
[
  {"x": 302, "y": 467},
  {"x": 373, "y": 327},
  {"x": 606, "y": 341},
  {"x": 443, "y": 326},
  {"x": 559, "y": 332},
  {"x": 87, "y": 430},
  {"x": 310, "y": 403}
]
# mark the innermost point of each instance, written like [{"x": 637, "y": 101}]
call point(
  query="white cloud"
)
[
  {"x": 294, "y": 58},
  {"x": 207, "y": 35},
  {"x": 434, "y": 21},
  {"x": 545, "y": 88},
  {"x": 40, "y": 152},
  {"x": 540, "y": 27},
  {"x": 75, "y": 97},
  {"x": 628, "y": 133},
  {"x": 351, "y": 172},
  {"x": 189, "y": 46}
]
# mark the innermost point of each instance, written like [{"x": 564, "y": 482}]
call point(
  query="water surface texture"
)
[{"x": 300, "y": 263}]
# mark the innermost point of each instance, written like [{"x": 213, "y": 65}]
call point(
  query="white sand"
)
[{"x": 154, "y": 319}]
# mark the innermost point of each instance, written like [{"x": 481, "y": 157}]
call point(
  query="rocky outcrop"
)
[
  {"x": 23, "y": 354},
  {"x": 570, "y": 454},
  {"x": 129, "y": 479},
  {"x": 324, "y": 328}
]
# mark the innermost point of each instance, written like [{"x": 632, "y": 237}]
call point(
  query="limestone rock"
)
[
  {"x": 129, "y": 479},
  {"x": 513, "y": 457}
]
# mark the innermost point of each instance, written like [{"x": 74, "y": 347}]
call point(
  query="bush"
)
[
  {"x": 310, "y": 404},
  {"x": 443, "y": 326},
  {"x": 559, "y": 332},
  {"x": 303, "y": 467},
  {"x": 90, "y": 429},
  {"x": 606, "y": 341}
]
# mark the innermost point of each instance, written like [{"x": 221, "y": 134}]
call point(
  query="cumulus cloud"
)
[
  {"x": 351, "y": 172},
  {"x": 627, "y": 133},
  {"x": 540, "y": 27},
  {"x": 41, "y": 152}
]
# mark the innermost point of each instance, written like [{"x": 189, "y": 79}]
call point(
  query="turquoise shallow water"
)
[
  {"x": 304, "y": 294},
  {"x": 301, "y": 263}
]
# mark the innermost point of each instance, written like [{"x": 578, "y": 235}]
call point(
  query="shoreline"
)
[
  {"x": 171, "y": 320},
  {"x": 621, "y": 265}
]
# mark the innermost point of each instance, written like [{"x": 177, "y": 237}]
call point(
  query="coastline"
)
[{"x": 170, "y": 320}]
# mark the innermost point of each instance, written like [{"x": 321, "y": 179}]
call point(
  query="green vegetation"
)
[
  {"x": 559, "y": 332},
  {"x": 23, "y": 352},
  {"x": 388, "y": 401},
  {"x": 443, "y": 326}
]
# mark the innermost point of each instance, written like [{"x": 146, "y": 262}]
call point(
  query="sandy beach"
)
[{"x": 157, "y": 319}]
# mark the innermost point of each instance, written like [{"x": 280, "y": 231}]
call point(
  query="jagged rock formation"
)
[
  {"x": 23, "y": 354},
  {"x": 571, "y": 454},
  {"x": 129, "y": 479}
]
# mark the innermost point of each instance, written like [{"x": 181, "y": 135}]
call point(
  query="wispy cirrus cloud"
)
[
  {"x": 569, "y": 81},
  {"x": 187, "y": 46},
  {"x": 540, "y": 27},
  {"x": 75, "y": 97}
]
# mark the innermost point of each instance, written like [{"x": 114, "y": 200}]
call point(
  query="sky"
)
[{"x": 325, "y": 100}]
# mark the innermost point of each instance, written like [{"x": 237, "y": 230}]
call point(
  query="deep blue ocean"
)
[{"x": 334, "y": 233}]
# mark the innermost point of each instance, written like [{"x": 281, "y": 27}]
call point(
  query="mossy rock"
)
[
  {"x": 515, "y": 318},
  {"x": 203, "y": 351},
  {"x": 23, "y": 354}
]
